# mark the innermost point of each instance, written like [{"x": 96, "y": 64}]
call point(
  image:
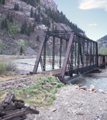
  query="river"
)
[{"x": 26, "y": 66}]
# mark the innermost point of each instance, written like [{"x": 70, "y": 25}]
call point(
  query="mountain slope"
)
[
  {"x": 102, "y": 45},
  {"x": 27, "y": 20}
]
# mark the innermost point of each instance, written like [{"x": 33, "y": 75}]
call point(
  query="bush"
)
[
  {"x": 2, "y": 68},
  {"x": 11, "y": 66},
  {"x": 58, "y": 85}
]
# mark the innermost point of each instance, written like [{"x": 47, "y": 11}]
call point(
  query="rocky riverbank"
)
[{"x": 73, "y": 103}]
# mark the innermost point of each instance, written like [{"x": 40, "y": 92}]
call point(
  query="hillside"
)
[
  {"x": 22, "y": 23},
  {"x": 102, "y": 45}
]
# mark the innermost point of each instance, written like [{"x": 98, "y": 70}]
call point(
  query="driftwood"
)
[{"x": 13, "y": 109}]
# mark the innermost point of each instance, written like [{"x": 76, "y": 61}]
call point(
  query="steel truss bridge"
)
[{"x": 68, "y": 54}]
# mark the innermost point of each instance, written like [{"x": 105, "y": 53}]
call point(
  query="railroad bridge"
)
[{"x": 67, "y": 55}]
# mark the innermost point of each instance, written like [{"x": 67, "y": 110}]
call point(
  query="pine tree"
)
[
  {"x": 38, "y": 9},
  {"x": 5, "y": 23},
  {"x": 32, "y": 29},
  {"x": 8, "y": 16},
  {"x": 3, "y": 2},
  {"x": 21, "y": 50},
  {"x": 28, "y": 31},
  {"x": 37, "y": 38},
  {"x": 31, "y": 12},
  {"x": 11, "y": 19},
  {"x": 16, "y": 7},
  {"x": 2, "y": 24}
]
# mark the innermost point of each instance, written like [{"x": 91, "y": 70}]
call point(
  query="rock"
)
[
  {"x": 80, "y": 112},
  {"x": 54, "y": 109},
  {"x": 100, "y": 90},
  {"x": 77, "y": 87},
  {"x": 83, "y": 87},
  {"x": 92, "y": 88},
  {"x": 27, "y": 96}
]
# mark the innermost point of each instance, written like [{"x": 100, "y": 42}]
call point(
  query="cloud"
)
[
  {"x": 91, "y": 4},
  {"x": 91, "y": 25}
]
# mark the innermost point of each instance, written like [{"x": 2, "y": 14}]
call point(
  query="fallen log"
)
[{"x": 14, "y": 109}]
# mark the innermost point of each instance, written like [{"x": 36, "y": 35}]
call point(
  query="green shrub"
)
[
  {"x": 51, "y": 79},
  {"x": 46, "y": 88},
  {"x": 36, "y": 86},
  {"x": 11, "y": 66},
  {"x": 50, "y": 100},
  {"x": 58, "y": 85},
  {"x": 45, "y": 80},
  {"x": 2, "y": 68},
  {"x": 54, "y": 91}
]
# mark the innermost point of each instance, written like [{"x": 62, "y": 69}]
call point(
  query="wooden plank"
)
[{"x": 39, "y": 54}]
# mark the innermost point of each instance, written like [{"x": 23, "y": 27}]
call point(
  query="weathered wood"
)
[
  {"x": 16, "y": 100},
  {"x": 14, "y": 114},
  {"x": 9, "y": 97},
  {"x": 13, "y": 109}
]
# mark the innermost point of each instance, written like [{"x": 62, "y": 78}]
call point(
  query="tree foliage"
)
[
  {"x": 27, "y": 29},
  {"x": 59, "y": 17},
  {"x": 21, "y": 46},
  {"x": 4, "y": 24},
  {"x": 32, "y": 2},
  {"x": 103, "y": 49},
  {"x": 31, "y": 12},
  {"x": 16, "y": 6},
  {"x": 1, "y": 46},
  {"x": 2, "y": 2}
]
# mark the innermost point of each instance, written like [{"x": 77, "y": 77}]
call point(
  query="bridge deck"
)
[{"x": 57, "y": 72}]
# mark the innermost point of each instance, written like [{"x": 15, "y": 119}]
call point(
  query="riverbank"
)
[
  {"x": 12, "y": 57},
  {"x": 71, "y": 102},
  {"x": 75, "y": 104}
]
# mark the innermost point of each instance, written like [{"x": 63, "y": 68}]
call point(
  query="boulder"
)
[{"x": 92, "y": 88}]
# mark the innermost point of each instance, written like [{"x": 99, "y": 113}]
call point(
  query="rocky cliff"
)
[{"x": 49, "y": 3}]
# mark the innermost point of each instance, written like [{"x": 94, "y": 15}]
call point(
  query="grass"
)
[{"x": 41, "y": 93}]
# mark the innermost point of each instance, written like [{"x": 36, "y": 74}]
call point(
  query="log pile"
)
[{"x": 14, "y": 109}]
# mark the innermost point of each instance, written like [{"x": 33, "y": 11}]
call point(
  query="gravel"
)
[{"x": 74, "y": 104}]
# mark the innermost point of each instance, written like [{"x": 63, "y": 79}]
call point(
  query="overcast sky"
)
[{"x": 89, "y": 15}]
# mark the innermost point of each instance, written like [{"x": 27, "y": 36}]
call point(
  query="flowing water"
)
[
  {"x": 100, "y": 83},
  {"x": 26, "y": 66}
]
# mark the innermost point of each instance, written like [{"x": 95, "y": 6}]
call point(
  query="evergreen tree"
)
[
  {"x": 11, "y": 19},
  {"x": 37, "y": 38},
  {"x": 32, "y": 29},
  {"x": 21, "y": 50},
  {"x": 5, "y": 22},
  {"x": 38, "y": 9},
  {"x": 31, "y": 12},
  {"x": 8, "y": 16},
  {"x": 16, "y": 6},
  {"x": 24, "y": 28},
  {"x": 28, "y": 31},
  {"x": 3, "y": 2},
  {"x": 2, "y": 24}
]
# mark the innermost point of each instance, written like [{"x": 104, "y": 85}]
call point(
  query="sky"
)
[{"x": 89, "y": 15}]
